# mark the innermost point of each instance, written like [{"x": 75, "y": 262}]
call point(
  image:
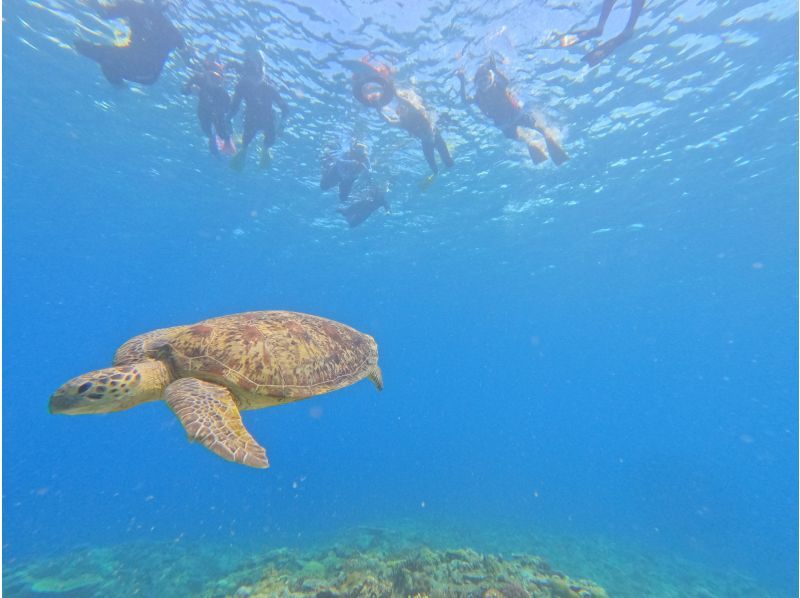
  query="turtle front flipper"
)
[{"x": 210, "y": 415}]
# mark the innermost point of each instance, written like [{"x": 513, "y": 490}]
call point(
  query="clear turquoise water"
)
[{"x": 606, "y": 349}]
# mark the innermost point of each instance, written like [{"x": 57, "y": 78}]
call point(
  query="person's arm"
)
[
  {"x": 192, "y": 84},
  {"x": 462, "y": 91},
  {"x": 282, "y": 105},
  {"x": 392, "y": 121},
  {"x": 177, "y": 39}
]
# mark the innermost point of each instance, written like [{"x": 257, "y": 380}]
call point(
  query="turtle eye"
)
[{"x": 84, "y": 387}]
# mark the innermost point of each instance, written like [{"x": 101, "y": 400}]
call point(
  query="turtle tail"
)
[{"x": 376, "y": 376}]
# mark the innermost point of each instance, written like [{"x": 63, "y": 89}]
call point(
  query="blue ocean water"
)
[{"x": 603, "y": 349}]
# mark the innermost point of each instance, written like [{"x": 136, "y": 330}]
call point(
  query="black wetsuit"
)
[
  {"x": 152, "y": 38},
  {"x": 343, "y": 170},
  {"x": 258, "y": 96},
  {"x": 213, "y": 107}
]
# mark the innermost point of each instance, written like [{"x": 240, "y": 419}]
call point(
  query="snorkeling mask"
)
[{"x": 485, "y": 79}]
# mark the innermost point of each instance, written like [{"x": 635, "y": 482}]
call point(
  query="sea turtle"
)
[{"x": 208, "y": 372}]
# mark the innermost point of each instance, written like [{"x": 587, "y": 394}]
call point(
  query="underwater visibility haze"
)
[{"x": 589, "y": 359}]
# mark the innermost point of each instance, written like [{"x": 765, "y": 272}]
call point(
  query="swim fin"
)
[
  {"x": 557, "y": 153},
  {"x": 227, "y": 146},
  {"x": 358, "y": 211},
  {"x": 536, "y": 152},
  {"x": 266, "y": 158},
  {"x": 425, "y": 183},
  {"x": 570, "y": 39},
  {"x": 238, "y": 160},
  {"x": 602, "y": 51}
]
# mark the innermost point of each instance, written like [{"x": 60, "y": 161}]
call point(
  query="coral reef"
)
[
  {"x": 369, "y": 562},
  {"x": 345, "y": 571}
]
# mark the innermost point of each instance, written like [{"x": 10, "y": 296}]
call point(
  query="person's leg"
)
[
  {"x": 269, "y": 140},
  {"x": 358, "y": 211},
  {"x": 106, "y": 56},
  {"x": 430, "y": 156},
  {"x": 112, "y": 75},
  {"x": 636, "y": 10},
  {"x": 330, "y": 177},
  {"x": 238, "y": 160},
  {"x": 443, "y": 150},
  {"x": 536, "y": 151},
  {"x": 606, "y": 48},
  {"x": 605, "y": 11},
  {"x": 222, "y": 126},
  {"x": 204, "y": 118},
  {"x": 557, "y": 153},
  {"x": 269, "y": 134},
  {"x": 147, "y": 79},
  {"x": 345, "y": 187},
  {"x": 596, "y": 31}
]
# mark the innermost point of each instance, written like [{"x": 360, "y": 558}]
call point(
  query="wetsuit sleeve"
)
[
  {"x": 276, "y": 97},
  {"x": 191, "y": 84},
  {"x": 177, "y": 38}
]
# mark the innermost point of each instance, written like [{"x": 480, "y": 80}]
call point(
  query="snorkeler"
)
[
  {"x": 497, "y": 102},
  {"x": 258, "y": 96},
  {"x": 373, "y": 86},
  {"x": 361, "y": 208},
  {"x": 344, "y": 168},
  {"x": 213, "y": 105},
  {"x": 152, "y": 38},
  {"x": 410, "y": 115},
  {"x": 603, "y": 50}
]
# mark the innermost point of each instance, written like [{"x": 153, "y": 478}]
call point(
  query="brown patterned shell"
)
[{"x": 278, "y": 354}]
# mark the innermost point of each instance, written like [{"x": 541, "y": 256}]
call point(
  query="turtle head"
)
[{"x": 112, "y": 389}]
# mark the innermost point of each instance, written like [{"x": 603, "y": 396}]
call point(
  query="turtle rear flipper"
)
[
  {"x": 210, "y": 415},
  {"x": 376, "y": 376}
]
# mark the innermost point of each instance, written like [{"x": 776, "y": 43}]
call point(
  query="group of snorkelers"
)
[
  {"x": 153, "y": 37},
  {"x": 216, "y": 109}
]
